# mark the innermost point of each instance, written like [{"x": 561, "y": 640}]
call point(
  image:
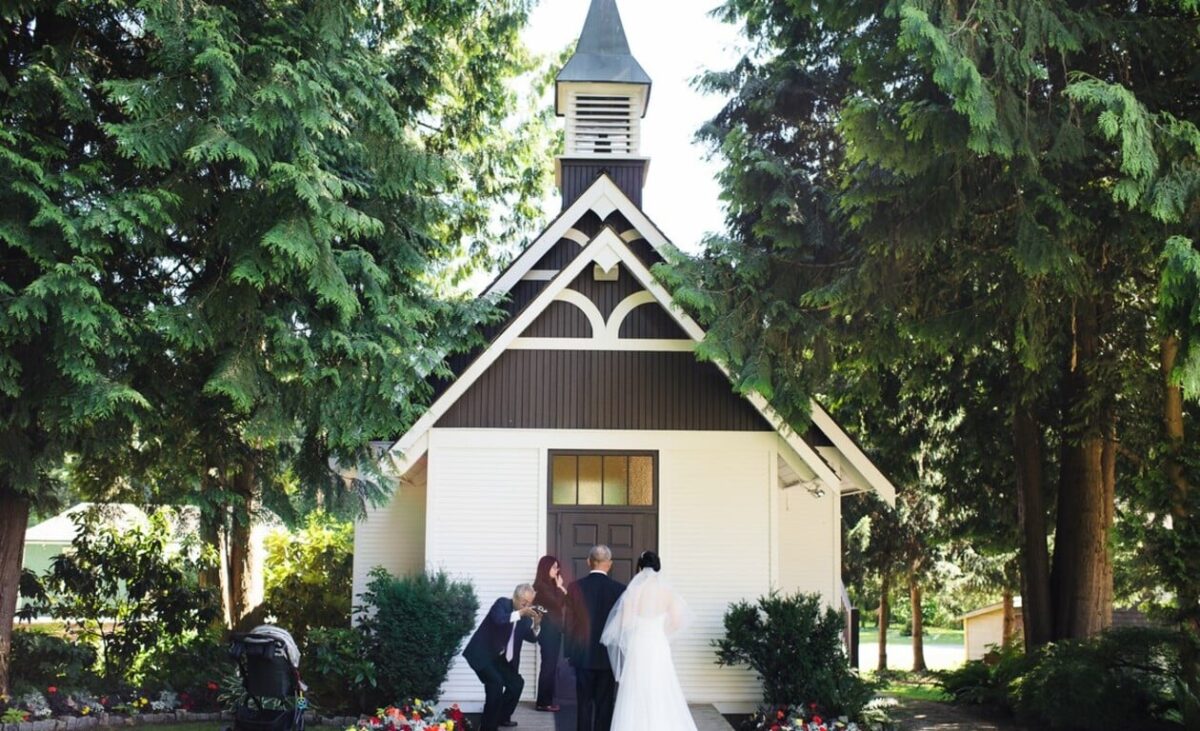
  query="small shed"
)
[{"x": 984, "y": 628}]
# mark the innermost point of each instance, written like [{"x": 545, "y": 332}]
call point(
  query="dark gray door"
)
[{"x": 627, "y": 534}]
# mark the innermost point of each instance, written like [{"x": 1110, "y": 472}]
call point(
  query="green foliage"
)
[
  {"x": 794, "y": 644},
  {"x": 340, "y": 675},
  {"x": 411, "y": 646},
  {"x": 122, "y": 587},
  {"x": 309, "y": 575},
  {"x": 41, "y": 660},
  {"x": 184, "y": 663},
  {"x": 1121, "y": 679}
]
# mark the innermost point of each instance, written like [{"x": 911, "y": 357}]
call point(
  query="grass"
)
[
  {"x": 911, "y": 686},
  {"x": 931, "y": 636}
]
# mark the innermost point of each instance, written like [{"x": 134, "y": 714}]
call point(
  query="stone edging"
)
[{"x": 106, "y": 720}]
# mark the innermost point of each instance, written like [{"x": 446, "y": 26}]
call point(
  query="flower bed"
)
[
  {"x": 809, "y": 717},
  {"x": 414, "y": 715}
]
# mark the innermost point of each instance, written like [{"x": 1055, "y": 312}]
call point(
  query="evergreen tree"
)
[
  {"x": 988, "y": 181},
  {"x": 232, "y": 233}
]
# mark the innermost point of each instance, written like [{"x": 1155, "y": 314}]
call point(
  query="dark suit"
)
[
  {"x": 589, "y": 601},
  {"x": 502, "y": 683}
]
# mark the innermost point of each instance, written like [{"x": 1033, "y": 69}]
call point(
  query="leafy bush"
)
[
  {"x": 987, "y": 682},
  {"x": 794, "y": 644},
  {"x": 122, "y": 588},
  {"x": 413, "y": 628},
  {"x": 339, "y": 674},
  {"x": 186, "y": 663},
  {"x": 1121, "y": 679},
  {"x": 40, "y": 660},
  {"x": 308, "y": 575}
]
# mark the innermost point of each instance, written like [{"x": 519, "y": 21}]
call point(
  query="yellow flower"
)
[
  {"x": 450, "y": 726},
  {"x": 85, "y": 710}
]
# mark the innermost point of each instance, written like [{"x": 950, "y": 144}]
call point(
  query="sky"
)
[{"x": 673, "y": 40}]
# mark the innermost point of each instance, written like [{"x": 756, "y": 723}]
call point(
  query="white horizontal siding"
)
[
  {"x": 483, "y": 513},
  {"x": 715, "y": 540},
  {"x": 808, "y": 554},
  {"x": 392, "y": 536}
]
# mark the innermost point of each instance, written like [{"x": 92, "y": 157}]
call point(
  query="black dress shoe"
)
[{"x": 507, "y": 724}]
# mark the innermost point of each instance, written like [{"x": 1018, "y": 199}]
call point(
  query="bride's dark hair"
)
[{"x": 649, "y": 559}]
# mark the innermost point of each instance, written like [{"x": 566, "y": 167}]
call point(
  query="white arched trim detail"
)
[
  {"x": 632, "y": 235},
  {"x": 625, "y": 344},
  {"x": 577, "y": 236},
  {"x": 588, "y": 307},
  {"x": 622, "y": 310}
]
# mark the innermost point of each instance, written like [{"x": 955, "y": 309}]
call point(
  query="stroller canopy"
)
[{"x": 278, "y": 633}]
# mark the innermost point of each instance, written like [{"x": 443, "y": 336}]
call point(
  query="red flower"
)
[
  {"x": 212, "y": 685},
  {"x": 779, "y": 715},
  {"x": 812, "y": 706},
  {"x": 52, "y": 689},
  {"x": 376, "y": 721},
  {"x": 816, "y": 720},
  {"x": 774, "y": 727}
]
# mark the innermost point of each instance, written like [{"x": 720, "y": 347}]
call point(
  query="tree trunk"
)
[
  {"x": 242, "y": 562},
  {"x": 212, "y": 576},
  {"x": 14, "y": 519},
  {"x": 1036, "y": 612},
  {"x": 918, "y": 632},
  {"x": 1189, "y": 598},
  {"x": 884, "y": 589},
  {"x": 1082, "y": 576},
  {"x": 1010, "y": 618}
]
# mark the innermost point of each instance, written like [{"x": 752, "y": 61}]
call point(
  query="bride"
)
[{"x": 649, "y": 695}]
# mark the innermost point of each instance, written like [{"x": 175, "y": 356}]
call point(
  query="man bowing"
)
[{"x": 494, "y": 653}]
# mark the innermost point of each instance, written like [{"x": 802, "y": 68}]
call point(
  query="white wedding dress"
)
[{"x": 649, "y": 697}]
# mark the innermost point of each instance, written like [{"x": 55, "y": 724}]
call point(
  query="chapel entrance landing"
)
[{"x": 602, "y": 497}]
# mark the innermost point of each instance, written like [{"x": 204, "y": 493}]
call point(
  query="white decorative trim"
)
[
  {"x": 563, "y": 227},
  {"x": 622, "y": 310},
  {"x": 539, "y": 275},
  {"x": 626, "y": 344},
  {"x": 861, "y": 464},
  {"x": 603, "y": 206},
  {"x": 588, "y": 307},
  {"x": 632, "y": 235}
]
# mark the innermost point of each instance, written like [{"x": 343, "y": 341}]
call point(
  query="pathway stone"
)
[
  {"x": 707, "y": 719},
  {"x": 914, "y": 715}
]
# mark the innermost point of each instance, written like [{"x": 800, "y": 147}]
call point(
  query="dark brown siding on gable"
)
[
  {"x": 649, "y": 322},
  {"x": 560, "y": 320},
  {"x": 574, "y": 389},
  {"x": 579, "y": 174},
  {"x": 606, "y": 295},
  {"x": 559, "y": 256}
]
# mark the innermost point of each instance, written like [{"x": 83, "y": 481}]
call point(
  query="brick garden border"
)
[{"x": 107, "y": 720}]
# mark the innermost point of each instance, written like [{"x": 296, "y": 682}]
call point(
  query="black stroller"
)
[{"x": 268, "y": 662}]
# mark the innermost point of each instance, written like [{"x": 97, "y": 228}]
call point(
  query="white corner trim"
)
[
  {"x": 539, "y": 275},
  {"x": 400, "y": 458},
  {"x": 603, "y": 206},
  {"x": 604, "y": 343},
  {"x": 622, "y": 310},
  {"x": 564, "y": 227},
  {"x": 579, "y": 300},
  {"x": 632, "y": 235},
  {"x": 850, "y": 451}
]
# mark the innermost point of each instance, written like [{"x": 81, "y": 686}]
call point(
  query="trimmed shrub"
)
[
  {"x": 340, "y": 675},
  {"x": 308, "y": 575},
  {"x": 40, "y": 660},
  {"x": 794, "y": 644},
  {"x": 413, "y": 627},
  {"x": 987, "y": 682}
]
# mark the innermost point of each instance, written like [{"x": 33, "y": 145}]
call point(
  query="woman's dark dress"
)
[{"x": 550, "y": 639}]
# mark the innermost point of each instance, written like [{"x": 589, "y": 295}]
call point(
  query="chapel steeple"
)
[{"x": 603, "y": 92}]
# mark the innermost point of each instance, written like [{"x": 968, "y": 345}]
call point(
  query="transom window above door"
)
[{"x": 624, "y": 479}]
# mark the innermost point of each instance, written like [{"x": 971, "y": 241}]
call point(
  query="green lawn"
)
[
  {"x": 932, "y": 636},
  {"x": 911, "y": 686}
]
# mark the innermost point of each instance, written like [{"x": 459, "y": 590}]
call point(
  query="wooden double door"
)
[{"x": 573, "y": 533}]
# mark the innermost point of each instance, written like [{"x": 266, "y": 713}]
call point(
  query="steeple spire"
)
[
  {"x": 602, "y": 54},
  {"x": 603, "y": 92}
]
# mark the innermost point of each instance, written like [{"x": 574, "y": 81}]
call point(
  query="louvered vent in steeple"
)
[{"x": 602, "y": 123}]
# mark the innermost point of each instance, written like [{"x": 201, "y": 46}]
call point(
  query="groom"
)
[{"x": 589, "y": 600}]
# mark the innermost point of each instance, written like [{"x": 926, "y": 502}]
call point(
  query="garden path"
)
[
  {"x": 914, "y": 715},
  {"x": 706, "y": 717}
]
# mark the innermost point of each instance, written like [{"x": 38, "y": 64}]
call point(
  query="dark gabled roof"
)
[{"x": 603, "y": 54}]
